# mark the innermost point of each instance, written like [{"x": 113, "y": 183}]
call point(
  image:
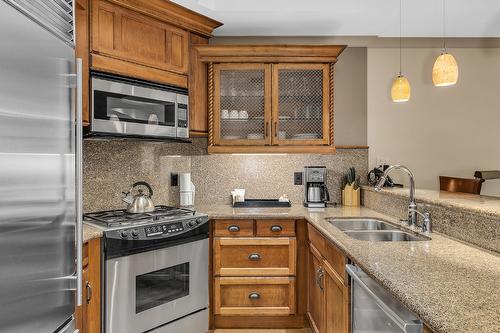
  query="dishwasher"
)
[{"x": 373, "y": 309}]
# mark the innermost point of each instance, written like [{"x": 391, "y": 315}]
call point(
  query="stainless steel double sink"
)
[{"x": 375, "y": 230}]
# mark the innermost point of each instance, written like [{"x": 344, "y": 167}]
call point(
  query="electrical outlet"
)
[
  {"x": 297, "y": 178},
  {"x": 174, "y": 179}
]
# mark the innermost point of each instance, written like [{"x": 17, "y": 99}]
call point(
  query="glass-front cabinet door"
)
[
  {"x": 242, "y": 104},
  {"x": 300, "y": 104}
]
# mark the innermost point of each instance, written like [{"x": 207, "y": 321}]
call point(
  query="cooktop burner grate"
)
[{"x": 119, "y": 217}]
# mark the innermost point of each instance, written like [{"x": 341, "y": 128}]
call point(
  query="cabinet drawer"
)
[
  {"x": 270, "y": 228},
  {"x": 269, "y": 296},
  {"x": 254, "y": 256},
  {"x": 242, "y": 228}
]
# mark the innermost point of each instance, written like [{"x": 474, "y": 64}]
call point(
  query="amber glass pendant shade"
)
[
  {"x": 401, "y": 90},
  {"x": 445, "y": 70}
]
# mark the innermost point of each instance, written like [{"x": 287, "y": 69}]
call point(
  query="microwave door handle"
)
[{"x": 176, "y": 116}]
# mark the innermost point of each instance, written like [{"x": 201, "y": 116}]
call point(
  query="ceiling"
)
[{"x": 421, "y": 18}]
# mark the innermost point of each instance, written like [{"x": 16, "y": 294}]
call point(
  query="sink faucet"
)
[{"x": 413, "y": 213}]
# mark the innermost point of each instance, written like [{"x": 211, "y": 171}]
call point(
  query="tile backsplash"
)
[{"x": 110, "y": 167}]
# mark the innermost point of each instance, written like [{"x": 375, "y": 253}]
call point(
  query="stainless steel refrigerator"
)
[{"x": 40, "y": 167}]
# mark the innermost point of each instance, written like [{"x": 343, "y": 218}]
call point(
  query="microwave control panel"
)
[{"x": 182, "y": 116}]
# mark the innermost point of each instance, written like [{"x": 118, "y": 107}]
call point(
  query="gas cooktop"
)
[{"x": 121, "y": 218}]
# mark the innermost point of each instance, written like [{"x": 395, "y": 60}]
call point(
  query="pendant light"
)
[
  {"x": 445, "y": 70},
  {"x": 401, "y": 90}
]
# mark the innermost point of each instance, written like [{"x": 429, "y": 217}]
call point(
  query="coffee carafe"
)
[{"x": 316, "y": 192}]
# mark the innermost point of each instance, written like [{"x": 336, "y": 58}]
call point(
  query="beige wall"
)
[
  {"x": 350, "y": 84},
  {"x": 449, "y": 131}
]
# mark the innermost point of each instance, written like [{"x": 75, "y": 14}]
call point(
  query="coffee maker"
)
[{"x": 316, "y": 192}]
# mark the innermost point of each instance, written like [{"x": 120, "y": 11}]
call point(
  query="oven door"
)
[
  {"x": 150, "y": 289},
  {"x": 127, "y": 109}
]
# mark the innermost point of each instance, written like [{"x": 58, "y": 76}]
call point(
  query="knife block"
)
[{"x": 350, "y": 196}]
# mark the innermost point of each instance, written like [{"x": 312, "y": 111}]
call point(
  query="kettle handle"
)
[{"x": 150, "y": 194}]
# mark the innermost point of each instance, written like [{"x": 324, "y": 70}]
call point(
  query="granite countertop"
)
[
  {"x": 90, "y": 232},
  {"x": 451, "y": 286},
  {"x": 484, "y": 205}
]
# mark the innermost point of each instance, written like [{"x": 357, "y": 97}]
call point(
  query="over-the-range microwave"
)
[{"x": 125, "y": 107}]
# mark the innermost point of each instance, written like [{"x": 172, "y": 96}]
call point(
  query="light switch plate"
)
[
  {"x": 174, "y": 179},
  {"x": 297, "y": 178}
]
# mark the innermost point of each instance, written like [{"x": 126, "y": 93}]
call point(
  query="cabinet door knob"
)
[
  {"x": 254, "y": 256},
  {"x": 254, "y": 295},
  {"x": 233, "y": 228},
  {"x": 276, "y": 228}
]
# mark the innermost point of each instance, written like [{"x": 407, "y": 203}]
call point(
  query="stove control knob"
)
[
  {"x": 199, "y": 220},
  {"x": 124, "y": 234},
  {"x": 192, "y": 223},
  {"x": 135, "y": 233}
]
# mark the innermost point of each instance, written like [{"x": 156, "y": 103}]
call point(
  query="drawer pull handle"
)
[
  {"x": 276, "y": 228},
  {"x": 254, "y": 295},
  {"x": 254, "y": 256},
  {"x": 233, "y": 228},
  {"x": 89, "y": 292}
]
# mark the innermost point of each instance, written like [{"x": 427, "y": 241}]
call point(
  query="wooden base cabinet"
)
[
  {"x": 258, "y": 271},
  {"x": 88, "y": 315},
  {"x": 328, "y": 289}
]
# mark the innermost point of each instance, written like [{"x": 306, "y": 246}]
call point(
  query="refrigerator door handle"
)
[{"x": 79, "y": 186}]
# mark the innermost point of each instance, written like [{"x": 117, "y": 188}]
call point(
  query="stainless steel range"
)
[{"x": 156, "y": 270}]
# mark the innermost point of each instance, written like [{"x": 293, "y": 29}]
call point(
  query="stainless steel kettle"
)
[{"x": 140, "y": 202}]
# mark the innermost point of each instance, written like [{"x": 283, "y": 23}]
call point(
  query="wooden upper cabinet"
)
[
  {"x": 270, "y": 98},
  {"x": 149, "y": 40},
  {"x": 125, "y": 34}
]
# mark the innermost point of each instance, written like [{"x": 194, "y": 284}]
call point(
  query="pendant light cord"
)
[
  {"x": 400, "y": 36},
  {"x": 444, "y": 26}
]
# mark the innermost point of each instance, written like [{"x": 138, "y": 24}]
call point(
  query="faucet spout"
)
[
  {"x": 382, "y": 180},
  {"x": 412, "y": 206}
]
